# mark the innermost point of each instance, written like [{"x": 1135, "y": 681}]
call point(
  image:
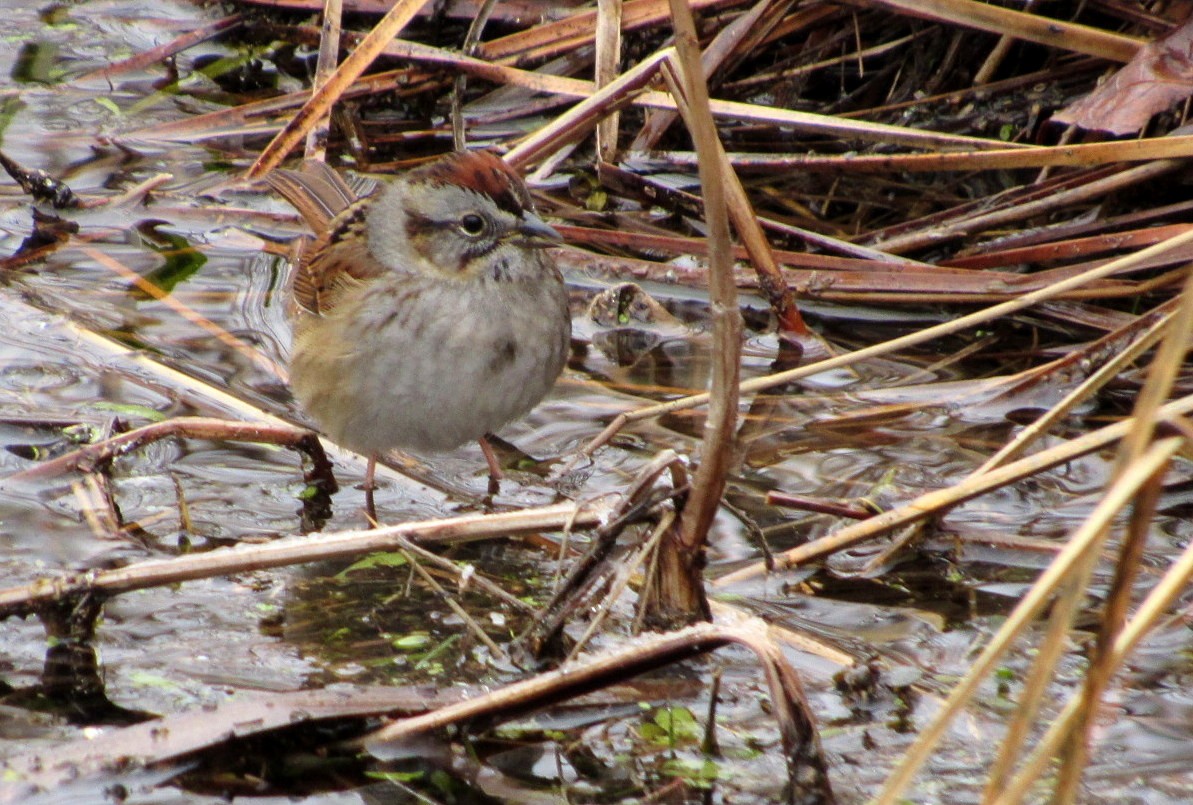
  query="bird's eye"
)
[{"x": 472, "y": 224}]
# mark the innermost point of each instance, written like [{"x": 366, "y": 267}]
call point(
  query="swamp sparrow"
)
[{"x": 427, "y": 314}]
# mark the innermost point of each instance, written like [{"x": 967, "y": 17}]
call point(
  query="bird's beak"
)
[{"x": 538, "y": 233}]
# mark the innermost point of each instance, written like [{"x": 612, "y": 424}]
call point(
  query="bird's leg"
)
[
  {"x": 370, "y": 471},
  {"x": 495, "y": 474}
]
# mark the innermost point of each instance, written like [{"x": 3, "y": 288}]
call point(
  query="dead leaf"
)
[{"x": 1160, "y": 75}]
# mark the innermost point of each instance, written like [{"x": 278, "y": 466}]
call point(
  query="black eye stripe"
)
[{"x": 418, "y": 225}]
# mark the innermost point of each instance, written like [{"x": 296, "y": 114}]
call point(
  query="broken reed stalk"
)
[
  {"x": 677, "y": 590},
  {"x": 1165, "y": 369},
  {"x": 608, "y": 57},
  {"x": 1085, "y": 542}
]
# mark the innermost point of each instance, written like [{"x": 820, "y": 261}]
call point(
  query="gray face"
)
[{"x": 454, "y": 232}]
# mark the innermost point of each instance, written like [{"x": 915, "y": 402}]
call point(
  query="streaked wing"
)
[
  {"x": 339, "y": 257},
  {"x": 337, "y": 260}
]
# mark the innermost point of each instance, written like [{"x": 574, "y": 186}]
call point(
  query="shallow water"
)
[{"x": 81, "y": 350}]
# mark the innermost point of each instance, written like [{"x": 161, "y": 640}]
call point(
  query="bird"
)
[{"x": 427, "y": 313}]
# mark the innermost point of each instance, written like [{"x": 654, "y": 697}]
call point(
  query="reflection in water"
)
[
  {"x": 37, "y": 63},
  {"x": 72, "y": 683}
]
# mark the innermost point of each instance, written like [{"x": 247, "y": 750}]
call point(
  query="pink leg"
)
[
  {"x": 370, "y": 472},
  {"x": 495, "y": 473}
]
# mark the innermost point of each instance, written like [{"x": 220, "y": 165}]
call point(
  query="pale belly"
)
[{"x": 460, "y": 363}]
